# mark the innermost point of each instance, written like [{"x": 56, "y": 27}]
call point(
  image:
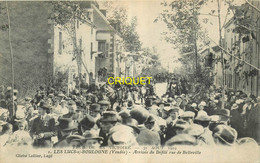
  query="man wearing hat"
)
[
  {"x": 43, "y": 127},
  {"x": 104, "y": 106},
  {"x": 182, "y": 139},
  {"x": 146, "y": 136},
  {"x": 91, "y": 139},
  {"x": 150, "y": 122},
  {"x": 224, "y": 116},
  {"x": 66, "y": 127},
  {"x": 94, "y": 111},
  {"x": 73, "y": 111},
  {"x": 225, "y": 135},
  {"x": 107, "y": 121},
  {"x": 121, "y": 135},
  {"x": 188, "y": 116},
  {"x": 236, "y": 120},
  {"x": 203, "y": 120},
  {"x": 87, "y": 123},
  {"x": 177, "y": 128}
]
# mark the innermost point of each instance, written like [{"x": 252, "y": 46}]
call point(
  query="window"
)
[
  {"x": 107, "y": 46},
  {"x": 101, "y": 46},
  {"x": 91, "y": 50},
  {"x": 60, "y": 43}
]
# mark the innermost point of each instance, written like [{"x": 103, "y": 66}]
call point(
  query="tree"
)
[
  {"x": 181, "y": 18},
  {"x": 118, "y": 18}
]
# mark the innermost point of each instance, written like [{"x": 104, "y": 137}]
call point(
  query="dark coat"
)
[
  {"x": 236, "y": 122},
  {"x": 254, "y": 123},
  {"x": 47, "y": 127}
]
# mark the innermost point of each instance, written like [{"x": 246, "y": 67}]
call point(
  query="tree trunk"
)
[{"x": 222, "y": 59}]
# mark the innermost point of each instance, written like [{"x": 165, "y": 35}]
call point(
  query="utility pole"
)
[
  {"x": 222, "y": 58},
  {"x": 11, "y": 52},
  {"x": 195, "y": 40}
]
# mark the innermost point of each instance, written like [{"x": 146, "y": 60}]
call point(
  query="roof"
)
[{"x": 100, "y": 21}]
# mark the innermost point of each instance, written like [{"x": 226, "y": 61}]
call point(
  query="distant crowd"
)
[{"x": 89, "y": 117}]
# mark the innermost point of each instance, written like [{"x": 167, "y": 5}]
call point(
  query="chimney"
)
[{"x": 104, "y": 12}]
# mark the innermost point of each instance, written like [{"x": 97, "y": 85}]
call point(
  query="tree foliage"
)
[
  {"x": 181, "y": 18},
  {"x": 118, "y": 18}
]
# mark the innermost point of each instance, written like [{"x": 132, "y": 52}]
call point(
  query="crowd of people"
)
[{"x": 54, "y": 119}]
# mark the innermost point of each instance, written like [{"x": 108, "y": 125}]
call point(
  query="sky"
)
[{"x": 147, "y": 11}]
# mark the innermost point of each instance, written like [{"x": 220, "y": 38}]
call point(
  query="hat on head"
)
[
  {"x": 167, "y": 108},
  {"x": 9, "y": 88},
  {"x": 95, "y": 107},
  {"x": 67, "y": 124},
  {"x": 87, "y": 122},
  {"x": 139, "y": 114},
  {"x": 234, "y": 106},
  {"x": 151, "y": 118},
  {"x": 90, "y": 134},
  {"x": 202, "y": 103},
  {"x": 133, "y": 123},
  {"x": 124, "y": 114},
  {"x": 75, "y": 138},
  {"x": 88, "y": 102},
  {"x": 51, "y": 95},
  {"x": 148, "y": 102},
  {"x": 223, "y": 112},
  {"x": 104, "y": 102},
  {"x": 215, "y": 118},
  {"x": 239, "y": 101},
  {"x": 170, "y": 99},
  {"x": 71, "y": 102},
  {"x": 202, "y": 117},
  {"x": 194, "y": 105},
  {"x": 15, "y": 91},
  {"x": 227, "y": 134},
  {"x": 188, "y": 114},
  {"x": 181, "y": 139},
  {"x": 61, "y": 94},
  {"x": 45, "y": 105},
  {"x": 181, "y": 124},
  {"x": 121, "y": 135},
  {"x": 28, "y": 98},
  {"x": 194, "y": 130},
  {"x": 173, "y": 109},
  {"x": 152, "y": 97},
  {"x": 19, "y": 115},
  {"x": 110, "y": 116}
]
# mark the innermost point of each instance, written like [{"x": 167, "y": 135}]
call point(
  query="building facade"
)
[{"x": 244, "y": 45}]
